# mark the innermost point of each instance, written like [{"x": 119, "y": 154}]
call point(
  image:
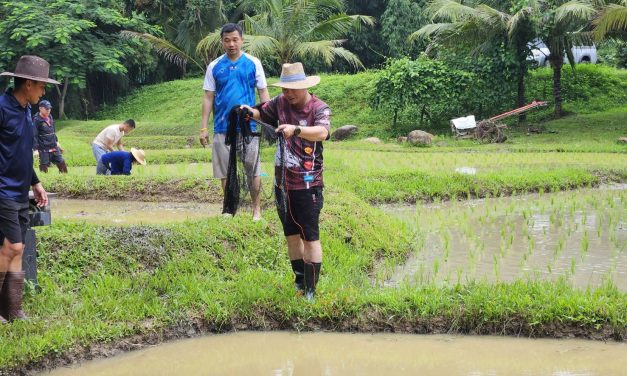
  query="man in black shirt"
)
[
  {"x": 17, "y": 176},
  {"x": 46, "y": 141}
]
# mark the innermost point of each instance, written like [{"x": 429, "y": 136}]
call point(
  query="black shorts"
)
[
  {"x": 303, "y": 212},
  {"x": 14, "y": 220},
  {"x": 45, "y": 157}
]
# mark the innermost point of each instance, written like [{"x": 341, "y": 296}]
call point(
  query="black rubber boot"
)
[
  {"x": 13, "y": 294},
  {"x": 312, "y": 273},
  {"x": 298, "y": 266},
  {"x": 62, "y": 167},
  {"x": 3, "y": 308}
]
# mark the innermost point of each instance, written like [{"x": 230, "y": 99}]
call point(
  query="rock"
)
[
  {"x": 401, "y": 140},
  {"x": 622, "y": 140},
  {"x": 419, "y": 138},
  {"x": 373, "y": 140},
  {"x": 342, "y": 133}
]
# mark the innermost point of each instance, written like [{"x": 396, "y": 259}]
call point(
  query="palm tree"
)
[
  {"x": 563, "y": 25},
  {"x": 481, "y": 27},
  {"x": 184, "y": 23},
  {"x": 290, "y": 30}
]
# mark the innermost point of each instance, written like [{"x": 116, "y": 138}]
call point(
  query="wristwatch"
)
[{"x": 297, "y": 131}]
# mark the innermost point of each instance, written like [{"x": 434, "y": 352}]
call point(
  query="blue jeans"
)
[{"x": 98, "y": 151}]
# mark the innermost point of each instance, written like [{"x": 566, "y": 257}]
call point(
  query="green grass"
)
[{"x": 103, "y": 284}]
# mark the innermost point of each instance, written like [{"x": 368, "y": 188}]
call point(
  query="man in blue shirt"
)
[
  {"x": 231, "y": 80},
  {"x": 17, "y": 176},
  {"x": 121, "y": 162}
]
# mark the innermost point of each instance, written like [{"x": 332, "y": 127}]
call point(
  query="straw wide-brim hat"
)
[
  {"x": 32, "y": 68},
  {"x": 139, "y": 155},
  {"x": 293, "y": 77}
]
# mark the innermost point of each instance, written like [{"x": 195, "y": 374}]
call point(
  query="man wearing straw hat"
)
[
  {"x": 121, "y": 162},
  {"x": 17, "y": 176},
  {"x": 304, "y": 121}
]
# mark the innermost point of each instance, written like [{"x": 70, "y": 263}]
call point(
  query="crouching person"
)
[
  {"x": 121, "y": 162},
  {"x": 17, "y": 176}
]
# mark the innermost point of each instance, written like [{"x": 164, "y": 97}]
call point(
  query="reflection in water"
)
[
  {"x": 580, "y": 236},
  {"x": 288, "y": 354},
  {"x": 130, "y": 212}
]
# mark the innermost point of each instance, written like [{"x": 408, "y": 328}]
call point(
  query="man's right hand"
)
[{"x": 204, "y": 138}]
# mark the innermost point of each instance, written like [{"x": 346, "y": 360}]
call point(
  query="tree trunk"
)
[
  {"x": 556, "y": 65},
  {"x": 521, "y": 94},
  {"x": 62, "y": 97}
]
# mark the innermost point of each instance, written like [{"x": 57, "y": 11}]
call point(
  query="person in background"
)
[
  {"x": 46, "y": 141},
  {"x": 17, "y": 176},
  {"x": 230, "y": 80},
  {"x": 121, "y": 162},
  {"x": 108, "y": 138}
]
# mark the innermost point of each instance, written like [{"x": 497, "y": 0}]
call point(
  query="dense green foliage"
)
[
  {"x": 79, "y": 37},
  {"x": 161, "y": 113}
]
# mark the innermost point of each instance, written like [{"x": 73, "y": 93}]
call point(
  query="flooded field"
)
[
  {"x": 287, "y": 354},
  {"x": 131, "y": 212},
  {"x": 580, "y": 236}
]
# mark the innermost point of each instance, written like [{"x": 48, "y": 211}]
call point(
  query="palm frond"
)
[
  {"x": 449, "y": 10},
  {"x": 210, "y": 46},
  {"x": 574, "y": 11},
  {"x": 260, "y": 45},
  {"x": 431, "y": 31},
  {"x": 611, "y": 19},
  {"x": 168, "y": 50},
  {"x": 339, "y": 24}
]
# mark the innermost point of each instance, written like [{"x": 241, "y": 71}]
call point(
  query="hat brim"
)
[
  {"x": 40, "y": 79},
  {"x": 308, "y": 82},
  {"x": 138, "y": 157}
]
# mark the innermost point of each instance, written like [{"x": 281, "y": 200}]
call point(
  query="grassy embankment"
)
[{"x": 102, "y": 285}]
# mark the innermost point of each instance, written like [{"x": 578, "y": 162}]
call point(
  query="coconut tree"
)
[
  {"x": 290, "y": 30},
  {"x": 563, "y": 25},
  {"x": 184, "y": 24},
  {"x": 482, "y": 26}
]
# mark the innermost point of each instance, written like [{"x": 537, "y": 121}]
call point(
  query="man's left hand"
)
[
  {"x": 41, "y": 196},
  {"x": 286, "y": 129}
]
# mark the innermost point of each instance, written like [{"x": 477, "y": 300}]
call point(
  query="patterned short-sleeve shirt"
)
[{"x": 303, "y": 158}]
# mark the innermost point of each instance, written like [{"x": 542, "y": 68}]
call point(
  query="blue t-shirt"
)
[
  {"x": 16, "y": 149},
  {"x": 119, "y": 162},
  {"x": 233, "y": 82}
]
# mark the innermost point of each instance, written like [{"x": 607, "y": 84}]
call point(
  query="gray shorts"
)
[{"x": 220, "y": 156}]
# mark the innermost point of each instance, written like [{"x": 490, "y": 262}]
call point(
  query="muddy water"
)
[
  {"x": 130, "y": 212},
  {"x": 286, "y": 354},
  {"x": 579, "y": 236}
]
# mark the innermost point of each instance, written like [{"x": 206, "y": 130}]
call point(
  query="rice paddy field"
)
[{"x": 525, "y": 238}]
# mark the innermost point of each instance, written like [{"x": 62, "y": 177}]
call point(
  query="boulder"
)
[
  {"x": 419, "y": 138},
  {"x": 622, "y": 140},
  {"x": 401, "y": 139},
  {"x": 373, "y": 140},
  {"x": 342, "y": 133}
]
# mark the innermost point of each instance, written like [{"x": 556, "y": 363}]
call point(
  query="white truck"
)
[{"x": 582, "y": 54}]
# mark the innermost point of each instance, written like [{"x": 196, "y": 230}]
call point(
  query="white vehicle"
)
[{"x": 582, "y": 54}]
